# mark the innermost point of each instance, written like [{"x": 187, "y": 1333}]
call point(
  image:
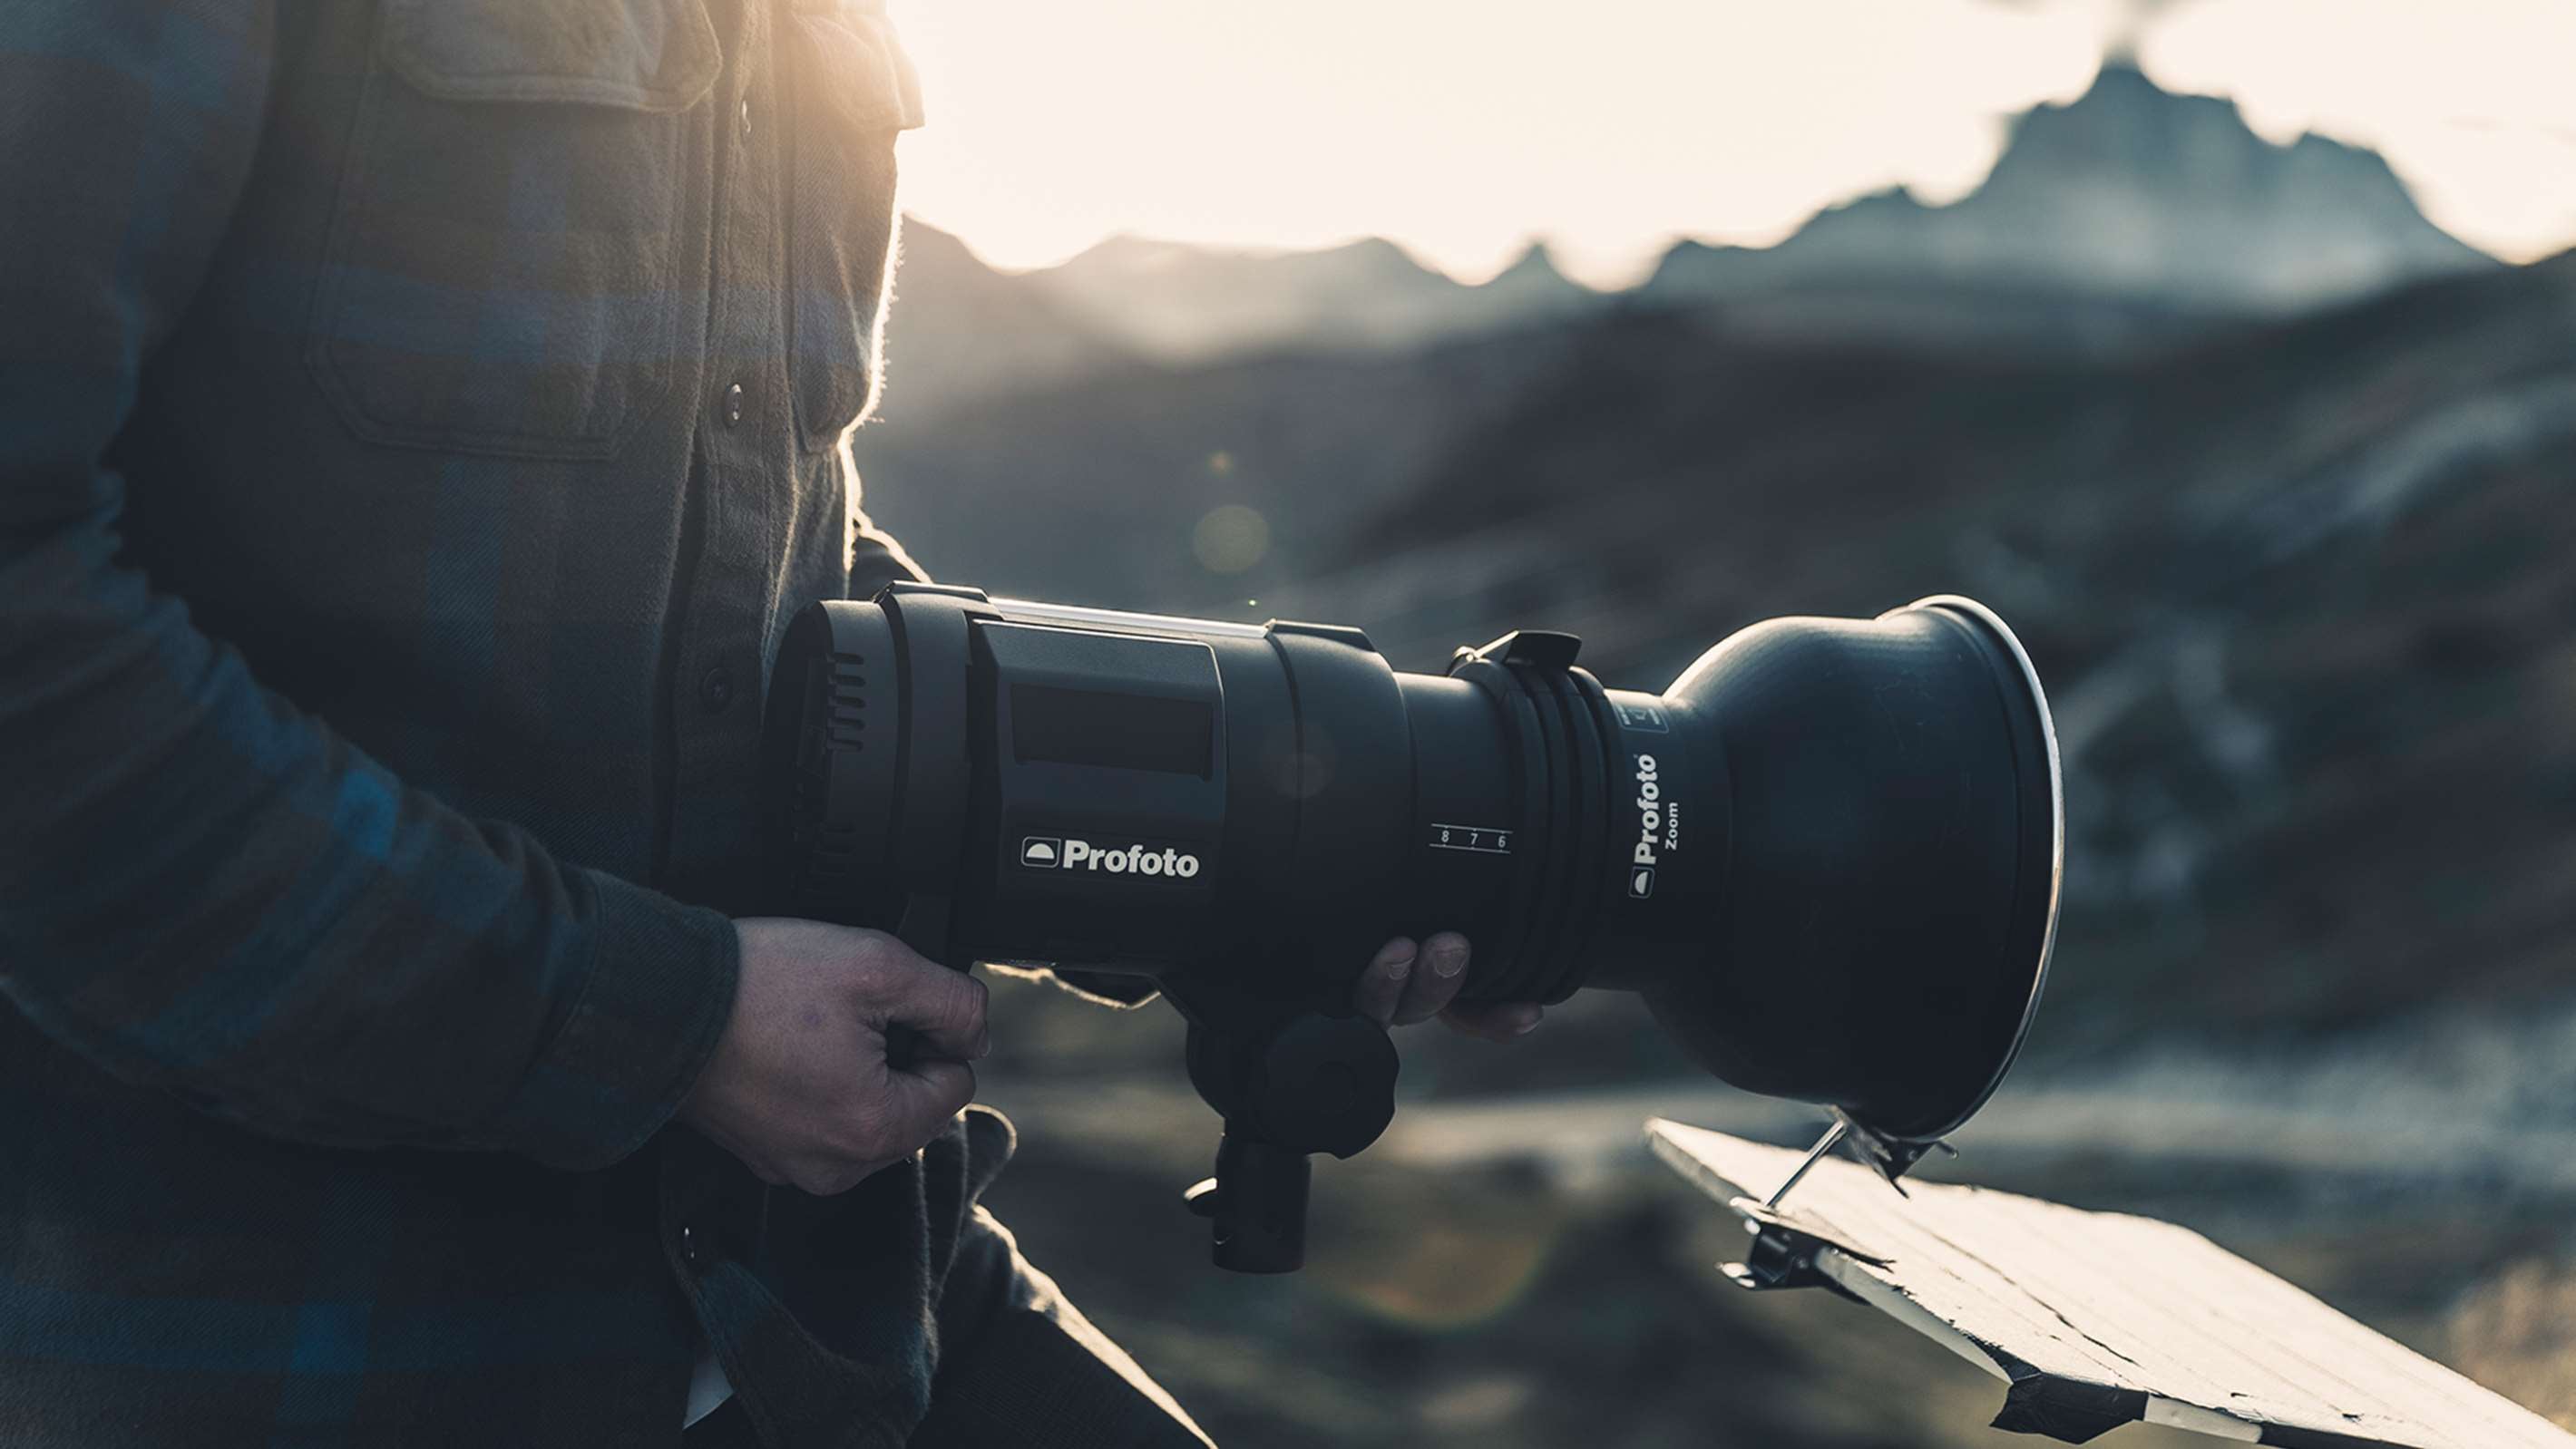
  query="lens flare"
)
[{"x": 1230, "y": 539}]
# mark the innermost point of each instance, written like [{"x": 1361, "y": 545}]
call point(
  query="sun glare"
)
[{"x": 1462, "y": 129}]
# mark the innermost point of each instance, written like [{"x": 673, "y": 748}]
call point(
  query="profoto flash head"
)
[{"x": 1827, "y": 855}]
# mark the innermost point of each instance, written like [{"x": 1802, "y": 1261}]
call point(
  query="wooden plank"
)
[{"x": 2097, "y": 1319}]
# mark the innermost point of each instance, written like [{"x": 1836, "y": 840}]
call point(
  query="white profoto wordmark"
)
[{"x": 1046, "y": 852}]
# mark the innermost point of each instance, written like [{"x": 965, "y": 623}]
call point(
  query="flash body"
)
[{"x": 1826, "y": 856}]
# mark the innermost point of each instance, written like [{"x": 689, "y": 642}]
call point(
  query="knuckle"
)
[
  {"x": 882, "y": 950},
  {"x": 871, "y": 966},
  {"x": 892, "y": 955}
]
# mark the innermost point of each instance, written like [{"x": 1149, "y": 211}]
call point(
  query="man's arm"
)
[{"x": 202, "y": 887}]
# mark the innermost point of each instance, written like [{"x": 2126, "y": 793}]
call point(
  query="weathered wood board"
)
[{"x": 2094, "y": 1320}]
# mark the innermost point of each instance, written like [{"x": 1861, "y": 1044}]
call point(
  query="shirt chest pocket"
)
[
  {"x": 854, "y": 91},
  {"x": 502, "y": 269}
]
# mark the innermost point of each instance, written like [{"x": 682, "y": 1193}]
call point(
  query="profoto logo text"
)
[
  {"x": 1047, "y": 852},
  {"x": 1659, "y": 827}
]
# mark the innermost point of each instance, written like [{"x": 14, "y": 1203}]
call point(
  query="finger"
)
[
  {"x": 944, "y": 1008},
  {"x": 1435, "y": 982},
  {"x": 1495, "y": 1020},
  {"x": 921, "y": 1098},
  {"x": 1381, "y": 987}
]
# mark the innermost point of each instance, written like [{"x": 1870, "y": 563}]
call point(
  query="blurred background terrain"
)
[{"x": 2271, "y": 474}]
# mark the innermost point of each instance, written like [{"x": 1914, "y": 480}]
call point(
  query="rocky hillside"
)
[{"x": 2301, "y": 592}]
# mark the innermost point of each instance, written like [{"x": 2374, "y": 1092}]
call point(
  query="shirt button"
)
[
  {"x": 689, "y": 1245},
  {"x": 715, "y": 689},
  {"x": 746, "y": 118},
  {"x": 733, "y": 405}
]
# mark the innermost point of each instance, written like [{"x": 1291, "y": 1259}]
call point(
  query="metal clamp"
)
[{"x": 1783, "y": 1254}]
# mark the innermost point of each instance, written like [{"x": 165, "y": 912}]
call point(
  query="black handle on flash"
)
[
  {"x": 1255, "y": 1205},
  {"x": 1288, "y": 1085}
]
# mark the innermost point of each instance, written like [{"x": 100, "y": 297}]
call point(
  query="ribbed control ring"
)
[
  {"x": 836, "y": 725},
  {"x": 1541, "y": 957},
  {"x": 1563, "y": 781},
  {"x": 827, "y": 758},
  {"x": 1596, "y": 875}
]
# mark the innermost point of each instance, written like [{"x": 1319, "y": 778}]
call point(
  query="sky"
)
[{"x": 1464, "y": 128}]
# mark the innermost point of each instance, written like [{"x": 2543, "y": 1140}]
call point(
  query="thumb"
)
[
  {"x": 944, "y": 1008},
  {"x": 922, "y": 1096}
]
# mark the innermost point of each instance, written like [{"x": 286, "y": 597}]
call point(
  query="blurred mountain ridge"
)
[
  {"x": 2129, "y": 215},
  {"x": 2129, "y": 193},
  {"x": 964, "y": 331},
  {"x": 1184, "y": 303}
]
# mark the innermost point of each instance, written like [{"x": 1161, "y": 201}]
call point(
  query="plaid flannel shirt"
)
[{"x": 418, "y": 419}]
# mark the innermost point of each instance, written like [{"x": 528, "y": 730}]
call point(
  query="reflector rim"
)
[{"x": 1978, "y": 613}]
